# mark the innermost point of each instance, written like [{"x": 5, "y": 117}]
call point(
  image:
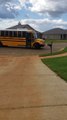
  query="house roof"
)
[
  {"x": 20, "y": 27},
  {"x": 56, "y": 31}
]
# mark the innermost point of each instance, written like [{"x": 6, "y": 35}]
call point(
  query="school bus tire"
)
[{"x": 37, "y": 45}]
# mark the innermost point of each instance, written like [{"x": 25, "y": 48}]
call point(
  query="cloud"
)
[
  {"x": 9, "y": 8},
  {"x": 53, "y": 8},
  {"x": 38, "y": 24},
  {"x": 6, "y": 23},
  {"x": 45, "y": 24},
  {"x": 44, "y": 12}
]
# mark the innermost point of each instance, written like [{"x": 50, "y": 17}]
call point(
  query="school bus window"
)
[
  {"x": 10, "y": 33},
  {"x": 32, "y": 35},
  {"x": 24, "y": 34},
  {"x": 15, "y": 33},
  {"x": 2, "y": 33},
  {"x": 28, "y": 35},
  {"x": 19, "y": 33},
  {"x": 6, "y": 33}
]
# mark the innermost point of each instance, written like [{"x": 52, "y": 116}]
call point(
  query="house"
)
[
  {"x": 55, "y": 34},
  {"x": 19, "y": 26}
]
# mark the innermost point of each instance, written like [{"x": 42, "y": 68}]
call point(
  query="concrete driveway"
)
[{"x": 29, "y": 90}]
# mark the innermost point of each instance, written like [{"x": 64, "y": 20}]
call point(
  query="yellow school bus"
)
[{"x": 20, "y": 38}]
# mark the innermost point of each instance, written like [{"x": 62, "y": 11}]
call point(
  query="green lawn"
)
[{"x": 58, "y": 65}]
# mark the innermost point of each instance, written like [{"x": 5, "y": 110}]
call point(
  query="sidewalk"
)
[
  {"x": 29, "y": 90},
  {"x": 59, "y": 55}
]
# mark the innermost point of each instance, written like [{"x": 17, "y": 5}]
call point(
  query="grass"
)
[
  {"x": 55, "y": 53},
  {"x": 58, "y": 65}
]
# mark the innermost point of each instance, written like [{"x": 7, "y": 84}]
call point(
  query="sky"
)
[{"x": 42, "y": 15}]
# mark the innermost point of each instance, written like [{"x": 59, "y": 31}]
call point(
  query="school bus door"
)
[{"x": 28, "y": 40}]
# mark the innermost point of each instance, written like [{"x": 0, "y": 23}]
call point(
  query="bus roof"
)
[{"x": 22, "y": 30}]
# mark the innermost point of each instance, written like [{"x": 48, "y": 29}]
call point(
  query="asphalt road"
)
[{"x": 26, "y": 52}]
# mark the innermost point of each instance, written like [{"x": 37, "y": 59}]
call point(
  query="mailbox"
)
[{"x": 50, "y": 45}]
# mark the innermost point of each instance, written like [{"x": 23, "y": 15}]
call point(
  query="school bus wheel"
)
[{"x": 37, "y": 45}]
